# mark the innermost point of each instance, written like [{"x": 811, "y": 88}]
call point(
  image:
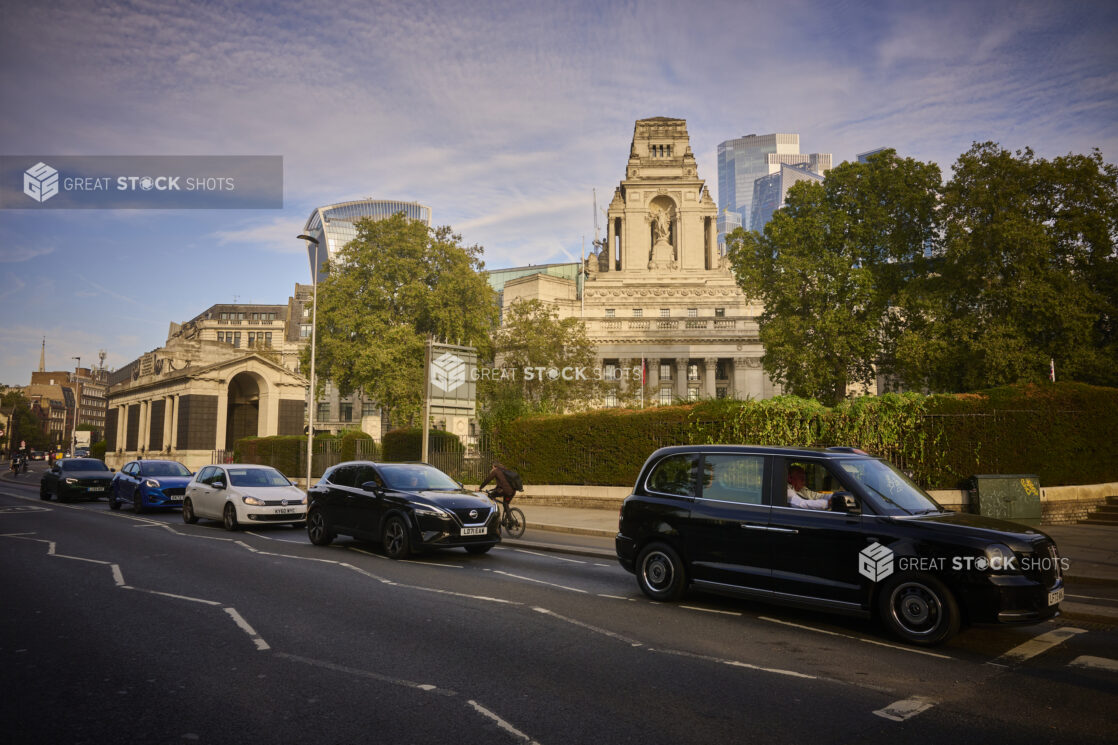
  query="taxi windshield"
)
[{"x": 895, "y": 491}]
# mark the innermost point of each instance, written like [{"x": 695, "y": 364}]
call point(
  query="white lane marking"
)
[
  {"x": 172, "y": 595},
  {"x": 924, "y": 652},
  {"x": 1095, "y": 663},
  {"x": 16, "y": 509},
  {"x": 711, "y": 610},
  {"x": 435, "y": 590},
  {"x": 14, "y": 535},
  {"x": 898, "y": 711},
  {"x": 117, "y": 576},
  {"x": 612, "y": 597},
  {"x": 588, "y": 627},
  {"x": 736, "y": 663},
  {"x": 502, "y": 723},
  {"x": 245, "y": 627},
  {"x": 1040, "y": 644},
  {"x": 548, "y": 556},
  {"x": 603, "y": 565},
  {"x": 366, "y": 674},
  {"x": 280, "y": 540},
  {"x": 1092, "y": 597},
  {"x": 539, "y": 581}
]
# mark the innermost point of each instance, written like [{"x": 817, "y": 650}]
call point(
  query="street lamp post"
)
[{"x": 314, "y": 329}]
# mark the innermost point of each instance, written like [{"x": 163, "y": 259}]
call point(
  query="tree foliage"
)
[
  {"x": 396, "y": 283},
  {"x": 25, "y": 425},
  {"x": 829, "y": 266},
  {"x": 534, "y": 338}
]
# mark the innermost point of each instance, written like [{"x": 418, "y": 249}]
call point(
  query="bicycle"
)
[{"x": 511, "y": 519}]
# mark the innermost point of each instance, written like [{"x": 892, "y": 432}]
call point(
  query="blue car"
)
[{"x": 147, "y": 484}]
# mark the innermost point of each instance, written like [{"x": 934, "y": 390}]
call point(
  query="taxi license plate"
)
[
  {"x": 286, "y": 510},
  {"x": 96, "y": 488},
  {"x": 473, "y": 531},
  {"x": 1056, "y": 596}
]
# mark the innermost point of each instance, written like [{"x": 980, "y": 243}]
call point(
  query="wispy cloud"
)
[{"x": 16, "y": 254}]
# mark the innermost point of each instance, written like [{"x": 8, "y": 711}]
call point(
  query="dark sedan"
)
[
  {"x": 146, "y": 484},
  {"x": 75, "y": 478},
  {"x": 405, "y": 506}
]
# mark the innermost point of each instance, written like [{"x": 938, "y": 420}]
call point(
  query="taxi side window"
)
[
  {"x": 733, "y": 478},
  {"x": 674, "y": 475}
]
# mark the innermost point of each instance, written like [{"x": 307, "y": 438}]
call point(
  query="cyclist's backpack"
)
[{"x": 514, "y": 479}]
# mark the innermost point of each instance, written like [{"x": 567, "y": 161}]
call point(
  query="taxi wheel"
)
[
  {"x": 919, "y": 609},
  {"x": 229, "y": 518},
  {"x": 660, "y": 572}
]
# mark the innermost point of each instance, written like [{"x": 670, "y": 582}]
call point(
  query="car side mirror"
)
[
  {"x": 112, "y": 470},
  {"x": 217, "y": 484},
  {"x": 372, "y": 486},
  {"x": 844, "y": 501}
]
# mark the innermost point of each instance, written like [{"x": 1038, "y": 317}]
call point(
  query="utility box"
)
[{"x": 1013, "y": 497}]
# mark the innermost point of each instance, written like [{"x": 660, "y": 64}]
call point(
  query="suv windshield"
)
[
  {"x": 85, "y": 464},
  {"x": 894, "y": 491},
  {"x": 416, "y": 477},
  {"x": 164, "y": 469},
  {"x": 257, "y": 477}
]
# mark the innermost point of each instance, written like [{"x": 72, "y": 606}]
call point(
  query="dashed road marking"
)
[
  {"x": 502, "y": 723},
  {"x": 1040, "y": 644},
  {"x": 711, "y": 610},
  {"x": 898, "y": 711},
  {"x": 924, "y": 652},
  {"x": 539, "y": 581},
  {"x": 1095, "y": 663},
  {"x": 245, "y": 627},
  {"x": 588, "y": 627},
  {"x": 366, "y": 674},
  {"x": 548, "y": 556},
  {"x": 737, "y": 663},
  {"x": 17, "y": 508}
]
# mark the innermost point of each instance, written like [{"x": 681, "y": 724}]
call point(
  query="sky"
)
[{"x": 502, "y": 117}]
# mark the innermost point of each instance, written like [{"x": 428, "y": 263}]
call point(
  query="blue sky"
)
[{"x": 500, "y": 116}]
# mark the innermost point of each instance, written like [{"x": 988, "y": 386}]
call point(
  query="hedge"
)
[
  {"x": 97, "y": 449},
  {"x": 399, "y": 445},
  {"x": 1062, "y": 432}
]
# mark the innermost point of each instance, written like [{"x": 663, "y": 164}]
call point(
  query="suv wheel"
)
[
  {"x": 397, "y": 544},
  {"x": 317, "y": 529},
  {"x": 660, "y": 572},
  {"x": 919, "y": 609}
]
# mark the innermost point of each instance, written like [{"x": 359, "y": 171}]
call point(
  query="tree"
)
[
  {"x": 830, "y": 266},
  {"x": 542, "y": 365},
  {"x": 24, "y": 424},
  {"x": 396, "y": 283},
  {"x": 1028, "y": 274}
]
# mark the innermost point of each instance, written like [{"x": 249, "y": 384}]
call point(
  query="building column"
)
[
  {"x": 121, "y": 426},
  {"x": 652, "y": 378},
  {"x": 222, "y": 416},
  {"x": 168, "y": 402},
  {"x": 173, "y": 427},
  {"x": 145, "y": 426},
  {"x": 610, "y": 248},
  {"x": 709, "y": 375},
  {"x": 681, "y": 377}
]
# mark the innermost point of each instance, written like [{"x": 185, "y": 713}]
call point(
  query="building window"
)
[
  {"x": 368, "y": 408},
  {"x": 665, "y": 396},
  {"x": 251, "y": 338},
  {"x": 345, "y": 411},
  {"x": 665, "y": 312},
  {"x": 306, "y": 311},
  {"x": 692, "y": 394},
  {"x": 268, "y": 339},
  {"x": 665, "y": 371},
  {"x": 610, "y": 372},
  {"x": 693, "y": 372},
  {"x": 240, "y": 316},
  {"x": 611, "y": 399},
  {"x": 224, "y": 316},
  {"x": 638, "y": 312},
  {"x": 221, "y": 336},
  {"x": 305, "y": 331},
  {"x": 323, "y": 411},
  {"x": 271, "y": 316},
  {"x": 236, "y": 338},
  {"x": 256, "y": 316},
  {"x": 611, "y": 312},
  {"x": 719, "y": 312},
  {"x": 692, "y": 312}
]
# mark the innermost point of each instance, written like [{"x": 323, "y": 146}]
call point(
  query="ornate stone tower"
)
[{"x": 662, "y": 217}]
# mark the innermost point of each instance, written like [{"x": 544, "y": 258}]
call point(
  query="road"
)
[{"x": 130, "y": 628}]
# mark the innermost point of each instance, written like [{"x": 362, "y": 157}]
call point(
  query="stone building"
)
[{"x": 657, "y": 290}]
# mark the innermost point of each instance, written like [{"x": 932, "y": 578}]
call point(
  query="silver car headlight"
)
[{"x": 253, "y": 501}]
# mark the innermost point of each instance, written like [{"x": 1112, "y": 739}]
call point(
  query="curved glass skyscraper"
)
[{"x": 333, "y": 224}]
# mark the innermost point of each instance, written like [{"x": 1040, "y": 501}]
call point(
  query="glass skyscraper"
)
[
  {"x": 334, "y": 227},
  {"x": 744, "y": 160}
]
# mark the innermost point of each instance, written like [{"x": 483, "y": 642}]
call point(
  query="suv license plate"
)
[
  {"x": 1056, "y": 596},
  {"x": 473, "y": 531},
  {"x": 96, "y": 488}
]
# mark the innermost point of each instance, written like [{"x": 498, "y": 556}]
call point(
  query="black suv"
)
[
  {"x": 872, "y": 543},
  {"x": 404, "y": 506}
]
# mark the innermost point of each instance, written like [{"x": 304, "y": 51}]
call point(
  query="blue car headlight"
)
[{"x": 152, "y": 484}]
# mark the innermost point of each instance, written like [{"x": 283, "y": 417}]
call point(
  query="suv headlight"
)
[
  {"x": 1000, "y": 558},
  {"x": 253, "y": 501},
  {"x": 71, "y": 480},
  {"x": 151, "y": 483},
  {"x": 429, "y": 510}
]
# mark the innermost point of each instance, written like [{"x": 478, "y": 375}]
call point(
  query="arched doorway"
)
[{"x": 243, "y": 415}]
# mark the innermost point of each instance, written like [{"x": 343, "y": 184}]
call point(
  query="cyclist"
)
[{"x": 502, "y": 488}]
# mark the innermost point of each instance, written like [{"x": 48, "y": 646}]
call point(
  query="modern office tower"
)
[
  {"x": 744, "y": 160},
  {"x": 864, "y": 157},
  {"x": 728, "y": 222},
  {"x": 334, "y": 227},
  {"x": 770, "y": 192}
]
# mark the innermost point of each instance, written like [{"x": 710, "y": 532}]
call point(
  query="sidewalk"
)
[{"x": 1091, "y": 580}]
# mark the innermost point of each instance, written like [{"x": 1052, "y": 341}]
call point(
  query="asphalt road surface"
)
[{"x": 123, "y": 628}]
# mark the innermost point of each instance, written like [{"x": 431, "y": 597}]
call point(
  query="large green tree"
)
[
  {"x": 1028, "y": 274},
  {"x": 388, "y": 289},
  {"x": 24, "y": 424},
  {"x": 531, "y": 343},
  {"x": 829, "y": 267}
]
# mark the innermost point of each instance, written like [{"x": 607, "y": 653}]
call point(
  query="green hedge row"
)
[
  {"x": 1062, "y": 432},
  {"x": 288, "y": 453},
  {"x": 406, "y": 444}
]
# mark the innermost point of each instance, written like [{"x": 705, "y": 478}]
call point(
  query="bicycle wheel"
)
[{"x": 514, "y": 522}]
